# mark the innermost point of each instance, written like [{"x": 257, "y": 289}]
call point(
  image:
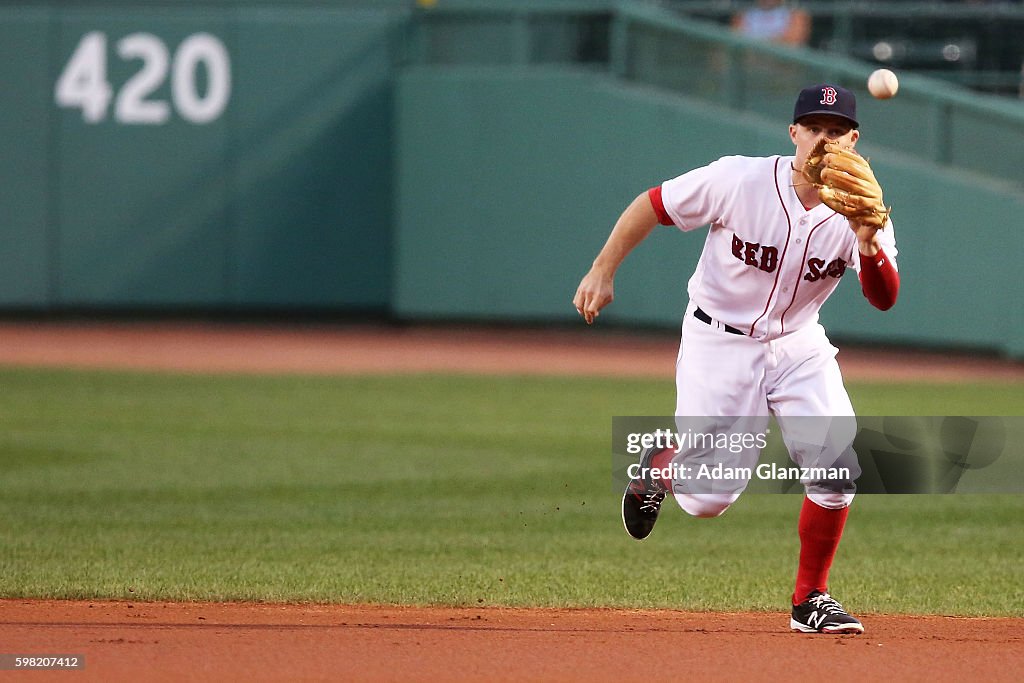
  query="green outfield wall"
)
[
  {"x": 196, "y": 156},
  {"x": 464, "y": 160},
  {"x": 509, "y": 181}
]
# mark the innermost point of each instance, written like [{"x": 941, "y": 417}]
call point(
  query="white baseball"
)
[{"x": 883, "y": 84}]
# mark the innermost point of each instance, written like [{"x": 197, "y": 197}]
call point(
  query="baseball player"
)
[{"x": 780, "y": 238}]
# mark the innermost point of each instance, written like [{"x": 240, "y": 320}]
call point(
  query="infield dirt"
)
[
  {"x": 319, "y": 349},
  {"x": 216, "y": 642}
]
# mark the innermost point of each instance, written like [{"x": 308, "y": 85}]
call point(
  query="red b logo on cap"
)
[{"x": 828, "y": 96}]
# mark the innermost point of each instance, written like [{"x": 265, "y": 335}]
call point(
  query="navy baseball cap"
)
[{"x": 826, "y": 99}]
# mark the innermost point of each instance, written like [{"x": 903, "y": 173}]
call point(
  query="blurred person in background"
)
[{"x": 775, "y": 21}]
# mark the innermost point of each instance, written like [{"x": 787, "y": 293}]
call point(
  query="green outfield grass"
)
[{"x": 438, "y": 490}]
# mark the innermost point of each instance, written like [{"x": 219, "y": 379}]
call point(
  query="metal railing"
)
[
  {"x": 643, "y": 43},
  {"x": 976, "y": 45}
]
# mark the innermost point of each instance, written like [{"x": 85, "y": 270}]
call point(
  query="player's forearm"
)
[
  {"x": 634, "y": 225},
  {"x": 869, "y": 246},
  {"x": 879, "y": 279},
  {"x": 867, "y": 239}
]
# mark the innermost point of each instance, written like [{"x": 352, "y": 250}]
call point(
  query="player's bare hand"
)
[
  {"x": 594, "y": 293},
  {"x": 867, "y": 241}
]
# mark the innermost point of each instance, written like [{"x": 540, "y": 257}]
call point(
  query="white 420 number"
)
[{"x": 83, "y": 84}]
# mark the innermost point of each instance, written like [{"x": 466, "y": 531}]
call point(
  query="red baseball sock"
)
[
  {"x": 820, "y": 530},
  {"x": 661, "y": 461}
]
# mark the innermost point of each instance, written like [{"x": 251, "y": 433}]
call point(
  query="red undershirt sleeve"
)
[
  {"x": 879, "y": 280},
  {"x": 659, "y": 206}
]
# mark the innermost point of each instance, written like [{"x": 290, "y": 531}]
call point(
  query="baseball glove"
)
[{"x": 846, "y": 183}]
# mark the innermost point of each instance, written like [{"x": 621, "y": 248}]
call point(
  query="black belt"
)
[{"x": 705, "y": 318}]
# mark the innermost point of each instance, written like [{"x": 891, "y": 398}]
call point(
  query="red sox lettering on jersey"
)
[
  {"x": 768, "y": 263},
  {"x": 766, "y": 258}
]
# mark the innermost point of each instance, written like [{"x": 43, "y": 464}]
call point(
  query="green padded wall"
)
[
  {"x": 25, "y": 191},
  {"x": 509, "y": 181},
  {"x": 280, "y": 198}
]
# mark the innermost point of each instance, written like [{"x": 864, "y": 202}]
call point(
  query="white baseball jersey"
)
[{"x": 768, "y": 263}]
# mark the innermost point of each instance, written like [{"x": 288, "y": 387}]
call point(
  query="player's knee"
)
[
  {"x": 705, "y": 504},
  {"x": 831, "y": 500}
]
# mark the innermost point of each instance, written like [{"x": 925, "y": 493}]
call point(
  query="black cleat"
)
[
  {"x": 820, "y": 613},
  {"x": 642, "y": 499}
]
